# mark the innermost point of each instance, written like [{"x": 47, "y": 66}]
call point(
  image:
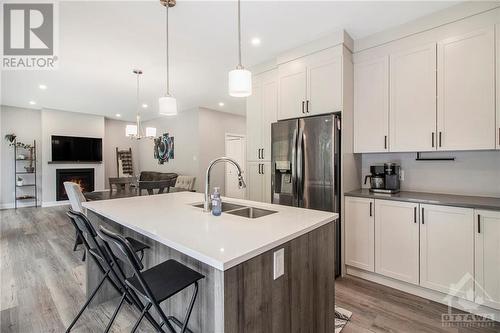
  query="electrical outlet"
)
[
  {"x": 401, "y": 175},
  {"x": 279, "y": 263}
]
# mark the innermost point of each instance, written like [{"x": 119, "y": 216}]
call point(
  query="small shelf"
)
[
  {"x": 26, "y": 185},
  {"x": 26, "y": 197},
  {"x": 25, "y": 159},
  {"x": 24, "y": 173}
]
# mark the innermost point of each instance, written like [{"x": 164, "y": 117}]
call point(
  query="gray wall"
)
[
  {"x": 472, "y": 173},
  {"x": 114, "y": 136}
]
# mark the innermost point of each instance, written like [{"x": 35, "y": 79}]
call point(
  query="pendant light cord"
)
[
  {"x": 166, "y": 48},
  {"x": 239, "y": 35}
]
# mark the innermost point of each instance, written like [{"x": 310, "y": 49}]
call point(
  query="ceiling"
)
[{"x": 101, "y": 42}]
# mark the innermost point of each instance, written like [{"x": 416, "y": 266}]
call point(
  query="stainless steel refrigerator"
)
[{"x": 305, "y": 169}]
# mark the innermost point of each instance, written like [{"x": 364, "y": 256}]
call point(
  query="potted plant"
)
[{"x": 19, "y": 181}]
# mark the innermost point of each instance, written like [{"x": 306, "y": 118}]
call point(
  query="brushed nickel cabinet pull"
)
[
  {"x": 307, "y": 106},
  {"x": 303, "y": 103}
]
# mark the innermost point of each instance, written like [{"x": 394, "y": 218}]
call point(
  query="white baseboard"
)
[{"x": 429, "y": 294}]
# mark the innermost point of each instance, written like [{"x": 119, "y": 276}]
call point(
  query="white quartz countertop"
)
[{"x": 219, "y": 241}]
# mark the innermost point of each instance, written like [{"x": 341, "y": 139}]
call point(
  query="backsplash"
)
[{"x": 472, "y": 173}]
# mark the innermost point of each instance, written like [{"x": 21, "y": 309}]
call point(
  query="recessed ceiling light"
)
[
  {"x": 221, "y": 103},
  {"x": 32, "y": 102},
  {"x": 255, "y": 41},
  {"x": 144, "y": 106},
  {"x": 118, "y": 115},
  {"x": 42, "y": 86}
]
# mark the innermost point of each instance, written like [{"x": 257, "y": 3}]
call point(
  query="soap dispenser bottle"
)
[{"x": 216, "y": 202}]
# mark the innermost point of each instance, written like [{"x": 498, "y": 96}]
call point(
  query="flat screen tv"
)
[{"x": 76, "y": 149}]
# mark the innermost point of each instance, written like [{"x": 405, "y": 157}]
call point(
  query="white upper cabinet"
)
[
  {"x": 497, "y": 131},
  {"x": 359, "y": 233},
  {"x": 292, "y": 89},
  {"x": 447, "y": 250},
  {"x": 311, "y": 85},
  {"x": 371, "y": 106},
  {"x": 412, "y": 120},
  {"x": 262, "y": 108},
  {"x": 466, "y": 91},
  {"x": 397, "y": 240},
  {"x": 488, "y": 258},
  {"x": 324, "y": 83}
]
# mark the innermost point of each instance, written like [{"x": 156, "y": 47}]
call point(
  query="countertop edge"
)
[
  {"x": 363, "y": 194},
  {"x": 219, "y": 265}
]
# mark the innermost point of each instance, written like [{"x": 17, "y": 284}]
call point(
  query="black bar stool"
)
[
  {"x": 155, "y": 284},
  {"x": 106, "y": 264}
]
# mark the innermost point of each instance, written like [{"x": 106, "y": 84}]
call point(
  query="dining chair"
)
[{"x": 75, "y": 196}]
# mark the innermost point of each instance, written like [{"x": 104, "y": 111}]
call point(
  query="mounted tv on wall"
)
[{"x": 76, "y": 149}]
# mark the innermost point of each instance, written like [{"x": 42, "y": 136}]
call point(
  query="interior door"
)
[
  {"x": 397, "y": 240},
  {"x": 488, "y": 258},
  {"x": 235, "y": 149},
  {"x": 315, "y": 177},
  {"x": 371, "y": 106},
  {"x": 412, "y": 120},
  {"x": 447, "y": 250},
  {"x": 466, "y": 91},
  {"x": 324, "y": 84},
  {"x": 292, "y": 90}
]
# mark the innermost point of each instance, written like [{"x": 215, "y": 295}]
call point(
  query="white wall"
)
[
  {"x": 184, "y": 129},
  {"x": 213, "y": 126},
  {"x": 472, "y": 173},
  {"x": 69, "y": 124},
  {"x": 114, "y": 136},
  {"x": 25, "y": 123}
]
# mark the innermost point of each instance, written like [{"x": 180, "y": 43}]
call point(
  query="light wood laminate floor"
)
[{"x": 42, "y": 286}]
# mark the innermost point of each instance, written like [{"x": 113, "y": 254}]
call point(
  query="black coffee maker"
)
[{"x": 384, "y": 179}]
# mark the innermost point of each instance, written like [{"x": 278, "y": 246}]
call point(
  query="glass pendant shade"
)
[
  {"x": 167, "y": 106},
  {"x": 150, "y": 132},
  {"x": 131, "y": 130},
  {"x": 240, "y": 83}
]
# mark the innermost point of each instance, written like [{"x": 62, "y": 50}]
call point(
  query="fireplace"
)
[{"x": 83, "y": 177}]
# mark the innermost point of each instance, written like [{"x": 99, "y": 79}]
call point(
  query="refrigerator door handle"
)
[
  {"x": 294, "y": 164},
  {"x": 300, "y": 171}
]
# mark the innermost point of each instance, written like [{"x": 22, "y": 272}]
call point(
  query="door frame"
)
[{"x": 243, "y": 137}]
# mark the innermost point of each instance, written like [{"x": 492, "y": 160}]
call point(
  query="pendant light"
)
[
  {"x": 240, "y": 79},
  {"x": 135, "y": 131},
  {"x": 167, "y": 104}
]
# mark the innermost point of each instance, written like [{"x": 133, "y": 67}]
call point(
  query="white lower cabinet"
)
[
  {"x": 447, "y": 250},
  {"x": 487, "y": 258},
  {"x": 397, "y": 240},
  {"x": 359, "y": 233},
  {"x": 259, "y": 181}
]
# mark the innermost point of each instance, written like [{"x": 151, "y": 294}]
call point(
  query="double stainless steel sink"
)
[{"x": 241, "y": 210}]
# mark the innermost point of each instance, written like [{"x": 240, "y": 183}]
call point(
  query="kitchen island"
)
[{"x": 236, "y": 253}]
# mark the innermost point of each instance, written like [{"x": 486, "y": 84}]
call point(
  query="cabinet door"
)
[
  {"x": 254, "y": 181},
  {"x": 254, "y": 121},
  {"x": 412, "y": 120},
  {"x": 359, "y": 233},
  {"x": 488, "y": 258},
  {"x": 324, "y": 83},
  {"x": 397, "y": 240},
  {"x": 466, "y": 91},
  {"x": 266, "y": 182},
  {"x": 269, "y": 112},
  {"x": 447, "y": 250},
  {"x": 371, "y": 106},
  {"x": 292, "y": 89},
  {"x": 498, "y": 85}
]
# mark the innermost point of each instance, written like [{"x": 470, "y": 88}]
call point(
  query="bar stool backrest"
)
[
  {"x": 120, "y": 248},
  {"x": 88, "y": 234}
]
